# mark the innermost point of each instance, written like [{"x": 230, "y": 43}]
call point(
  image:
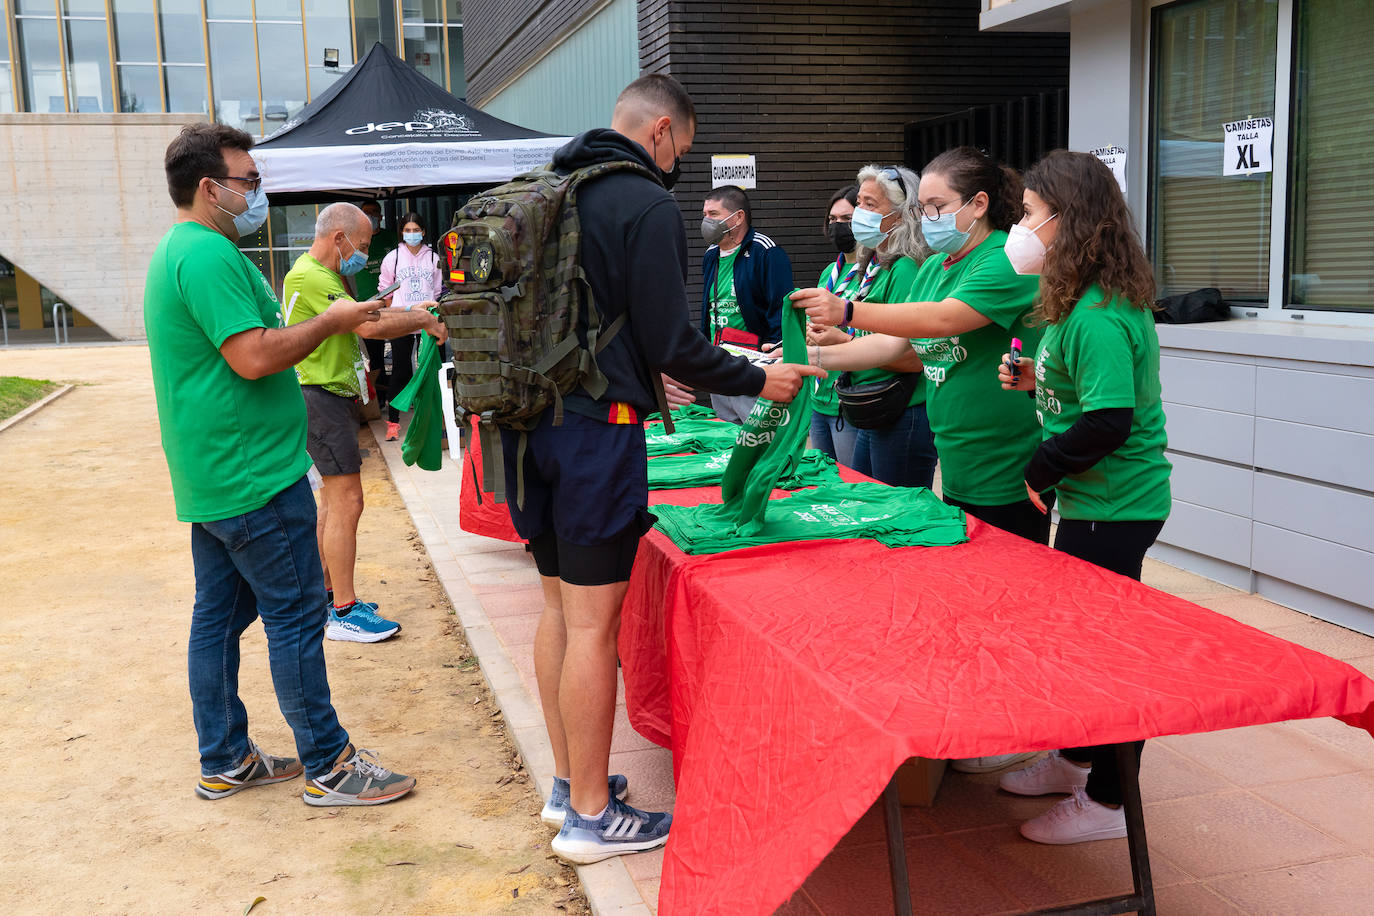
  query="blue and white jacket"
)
[{"x": 763, "y": 279}]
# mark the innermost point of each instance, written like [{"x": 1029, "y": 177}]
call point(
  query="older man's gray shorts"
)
[{"x": 331, "y": 435}]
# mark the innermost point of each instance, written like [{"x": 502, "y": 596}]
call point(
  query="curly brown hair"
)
[{"x": 1096, "y": 241}]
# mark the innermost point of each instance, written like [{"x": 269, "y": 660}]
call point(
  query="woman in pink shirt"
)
[{"x": 416, "y": 266}]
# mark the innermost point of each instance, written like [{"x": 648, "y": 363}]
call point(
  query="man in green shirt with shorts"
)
[
  {"x": 233, "y": 430},
  {"x": 332, "y": 380}
]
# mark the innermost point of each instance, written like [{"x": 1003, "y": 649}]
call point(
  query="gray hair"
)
[
  {"x": 906, "y": 240},
  {"x": 339, "y": 217}
]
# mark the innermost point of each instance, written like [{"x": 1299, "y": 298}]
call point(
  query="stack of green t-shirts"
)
[
  {"x": 895, "y": 516},
  {"x": 689, "y": 412},
  {"x": 679, "y": 471},
  {"x": 691, "y": 436}
]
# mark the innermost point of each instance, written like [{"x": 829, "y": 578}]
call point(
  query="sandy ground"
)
[{"x": 98, "y": 811}]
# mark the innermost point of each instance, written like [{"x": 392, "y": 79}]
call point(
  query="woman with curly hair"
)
[{"x": 1097, "y": 394}]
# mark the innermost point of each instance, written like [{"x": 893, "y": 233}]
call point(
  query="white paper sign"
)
[
  {"x": 1248, "y": 146},
  {"x": 1115, "y": 159},
  {"x": 740, "y": 171}
]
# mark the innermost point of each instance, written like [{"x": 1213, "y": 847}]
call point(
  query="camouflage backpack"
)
[{"x": 522, "y": 324}]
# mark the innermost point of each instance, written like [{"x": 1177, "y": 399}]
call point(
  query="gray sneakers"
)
[
  {"x": 358, "y": 778},
  {"x": 556, "y": 808},
  {"x": 257, "y": 769},
  {"x": 620, "y": 830}
]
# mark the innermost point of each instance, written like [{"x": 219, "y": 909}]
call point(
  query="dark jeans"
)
[
  {"x": 900, "y": 455},
  {"x": 389, "y": 384},
  {"x": 1021, "y": 518},
  {"x": 264, "y": 564},
  {"x": 1119, "y": 547},
  {"x": 834, "y": 437}
]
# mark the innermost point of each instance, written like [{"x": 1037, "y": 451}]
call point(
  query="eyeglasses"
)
[
  {"x": 891, "y": 174},
  {"x": 932, "y": 211},
  {"x": 253, "y": 183}
]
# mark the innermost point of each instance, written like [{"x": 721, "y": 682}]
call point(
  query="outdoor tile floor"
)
[{"x": 1275, "y": 819}]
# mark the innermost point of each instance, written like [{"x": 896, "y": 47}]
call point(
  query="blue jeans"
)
[
  {"x": 834, "y": 437},
  {"x": 264, "y": 563},
  {"x": 902, "y": 455}
]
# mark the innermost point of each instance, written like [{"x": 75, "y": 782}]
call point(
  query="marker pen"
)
[{"x": 1014, "y": 358}]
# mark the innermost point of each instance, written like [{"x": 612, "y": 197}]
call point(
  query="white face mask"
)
[{"x": 1024, "y": 249}]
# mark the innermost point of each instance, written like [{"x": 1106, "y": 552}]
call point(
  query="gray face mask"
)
[{"x": 713, "y": 230}]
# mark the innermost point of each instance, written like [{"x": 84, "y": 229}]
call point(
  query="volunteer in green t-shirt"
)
[
  {"x": 962, "y": 309},
  {"x": 332, "y": 380},
  {"x": 894, "y": 442},
  {"x": 234, "y": 432},
  {"x": 1096, "y": 381}
]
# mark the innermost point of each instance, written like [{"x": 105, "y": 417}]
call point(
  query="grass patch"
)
[{"x": 18, "y": 393}]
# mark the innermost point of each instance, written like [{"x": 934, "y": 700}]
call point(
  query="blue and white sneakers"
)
[
  {"x": 557, "y": 806},
  {"x": 620, "y": 830},
  {"x": 361, "y": 623}
]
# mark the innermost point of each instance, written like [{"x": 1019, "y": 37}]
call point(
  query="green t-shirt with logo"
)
[
  {"x": 675, "y": 472},
  {"x": 1106, "y": 354},
  {"x": 690, "y": 436},
  {"x": 384, "y": 241},
  {"x": 725, "y": 311},
  {"x": 895, "y": 516},
  {"x": 824, "y": 400},
  {"x": 984, "y": 435},
  {"x": 336, "y": 364},
  {"x": 893, "y": 284},
  {"x": 232, "y": 443}
]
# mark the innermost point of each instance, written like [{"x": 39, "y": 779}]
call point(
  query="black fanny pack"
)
[{"x": 875, "y": 405}]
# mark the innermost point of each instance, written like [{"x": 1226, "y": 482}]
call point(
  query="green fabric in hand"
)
[
  {"x": 423, "y": 443},
  {"x": 771, "y": 441},
  {"x": 895, "y": 516},
  {"x": 679, "y": 471}
]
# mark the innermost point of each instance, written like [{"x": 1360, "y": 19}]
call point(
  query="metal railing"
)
[
  {"x": 60, "y": 311},
  {"x": 5, "y": 320},
  {"x": 1016, "y": 132}
]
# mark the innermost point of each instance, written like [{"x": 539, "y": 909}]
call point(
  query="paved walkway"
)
[{"x": 1273, "y": 819}]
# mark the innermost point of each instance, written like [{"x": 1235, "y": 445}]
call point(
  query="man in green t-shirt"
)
[
  {"x": 332, "y": 379},
  {"x": 233, "y": 429}
]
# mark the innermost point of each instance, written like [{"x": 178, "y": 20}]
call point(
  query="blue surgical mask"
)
[
  {"x": 353, "y": 263},
  {"x": 251, "y": 219},
  {"x": 413, "y": 238},
  {"x": 944, "y": 234},
  {"x": 867, "y": 228}
]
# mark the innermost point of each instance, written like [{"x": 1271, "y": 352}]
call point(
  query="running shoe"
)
[
  {"x": 988, "y": 764},
  {"x": 257, "y": 769},
  {"x": 359, "y": 622},
  {"x": 618, "y": 831},
  {"x": 556, "y": 808},
  {"x": 358, "y": 778},
  {"x": 1076, "y": 819},
  {"x": 393, "y": 431},
  {"x": 1050, "y": 775}
]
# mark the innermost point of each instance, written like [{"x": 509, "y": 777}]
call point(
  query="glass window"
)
[
  {"x": 138, "y": 88},
  {"x": 229, "y": 9},
  {"x": 182, "y": 38},
  {"x": 327, "y": 26},
  {"x": 425, "y": 50},
  {"x": 234, "y": 69},
  {"x": 281, "y": 51},
  {"x": 457, "y": 80},
  {"x": 135, "y": 31},
  {"x": 41, "y": 70},
  {"x": 373, "y": 21},
  {"x": 35, "y": 8},
  {"x": 1333, "y": 144},
  {"x": 6, "y": 90},
  {"x": 453, "y": 10},
  {"x": 421, "y": 11},
  {"x": 185, "y": 88},
  {"x": 88, "y": 48},
  {"x": 1213, "y": 63},
  {"x": 83, "y": 8}
]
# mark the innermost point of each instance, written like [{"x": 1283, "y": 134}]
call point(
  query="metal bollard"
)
[{"x": 60, "y": 331}]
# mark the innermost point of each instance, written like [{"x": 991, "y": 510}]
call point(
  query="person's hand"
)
[
  {"x": 678, "y": 396},
  {"x": 1023, "y": 380},
  {"x": 436, "y": 327},
  {"x": 821, "y": 306},
  {"x": 783, "y": 380},
  {"x": 1035, "y": 499},
  {"x": 820, "y": 335},
  {"x": 346, "y": 314}
]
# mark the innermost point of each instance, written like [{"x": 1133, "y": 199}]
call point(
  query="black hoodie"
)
[{"x": 634, "y": 250}]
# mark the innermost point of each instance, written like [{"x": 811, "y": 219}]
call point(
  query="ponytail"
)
[{"x": 968, "y": 170}]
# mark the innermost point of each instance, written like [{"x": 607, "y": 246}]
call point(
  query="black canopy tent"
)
[{"x": 385, "y": 130}]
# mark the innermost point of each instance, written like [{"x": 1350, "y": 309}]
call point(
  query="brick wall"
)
[{"x": 85, "y": 203}]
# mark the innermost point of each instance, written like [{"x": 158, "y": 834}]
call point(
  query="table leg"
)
[
  {"x": 896, "y": 850},
  {"x": 1128, "y": 763}
]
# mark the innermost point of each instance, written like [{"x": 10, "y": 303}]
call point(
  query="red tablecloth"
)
[{"x": 790, "y": 681}]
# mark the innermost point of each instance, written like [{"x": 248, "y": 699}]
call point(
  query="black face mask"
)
[
  {"x": 670, "y": 177},
  {"x": 841, "y": 236}
]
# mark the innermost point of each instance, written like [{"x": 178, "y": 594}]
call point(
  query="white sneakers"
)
[
  {"x": 1076, "y": 819},
  {"x": 988, "y": 764},
  {"x": 1051, "y": 775}
]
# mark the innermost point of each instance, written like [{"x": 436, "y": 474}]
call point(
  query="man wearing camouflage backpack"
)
[{"x": 585, "y": 481}]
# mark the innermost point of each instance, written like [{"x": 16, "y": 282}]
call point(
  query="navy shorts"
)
[{"x": 586, "y": 488}]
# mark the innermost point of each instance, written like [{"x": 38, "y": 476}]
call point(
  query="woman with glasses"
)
[
  {"x": 963, "y": 309},
  {"x": 1095, "y": 377},
  {"x": 416, "y": 267},
  {"x": 893, "y": 445},
  {"x": 828, "y": 432}
]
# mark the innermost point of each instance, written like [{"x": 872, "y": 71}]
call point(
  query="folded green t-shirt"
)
[
  {"x": 895, "y": 516},
  {"x": 678, "y": 471},
  {"x": 691, "y": 436}
]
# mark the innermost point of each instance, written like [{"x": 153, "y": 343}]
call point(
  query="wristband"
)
[{"x": 848, "y": 312}]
